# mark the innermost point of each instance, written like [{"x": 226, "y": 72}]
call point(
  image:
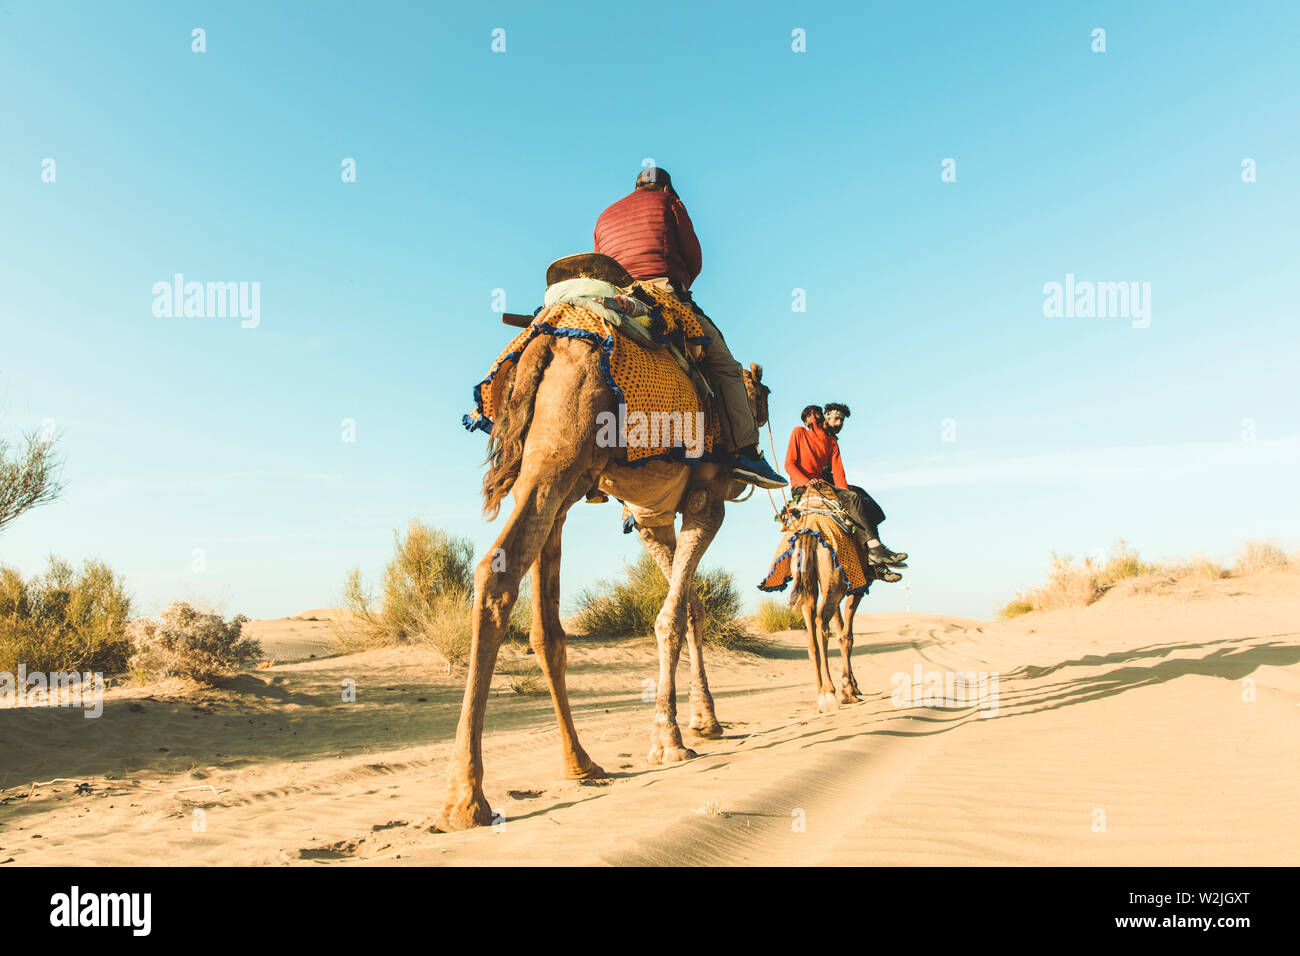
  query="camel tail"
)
[
  {"x": 803, "y": 567},
  {"x": 506, "y": 443}
]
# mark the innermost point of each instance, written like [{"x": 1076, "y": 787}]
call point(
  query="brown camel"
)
[
  {"x": 818, "y": 588},
  {"x": 543, "y": 450}
]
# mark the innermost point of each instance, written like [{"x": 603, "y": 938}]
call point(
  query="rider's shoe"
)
[
  {"x": 882, "y": 555},
  {"x": 885, "y": 574},
  {"x": 756, "y": 471}
]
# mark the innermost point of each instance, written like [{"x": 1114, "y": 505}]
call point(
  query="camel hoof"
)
[
  {"x": 709, "y": 731},
  {"x": 593, "y": 772},
  {"x": 464, "y": 815},
  {"x": 661, "y": 755},
  {"x": 826, "y": 703}
]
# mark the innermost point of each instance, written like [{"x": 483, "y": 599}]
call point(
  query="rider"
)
[
  {"x": 814, "y": 452},
  {"x": 650, "y": 234}
]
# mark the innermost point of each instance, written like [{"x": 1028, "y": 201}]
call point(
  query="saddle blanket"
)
[
  {"x": 817, "y": 530},
  {"x": 660, "y": 415}
]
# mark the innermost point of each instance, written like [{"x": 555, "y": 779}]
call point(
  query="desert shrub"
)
[
  {"x": 426, "y": 597},
  {"x": 773, "y": 616},
  {"x": 629, "y": 605},
  {"x": 1014, "y": 608},
  {"x": 1070, "y": 585},
  {"x": 64, "y": 620},
  {"x": 1122, "y": 563},
  {"x": 529, "y": 683},
  {"x": 1199, "y": 568},
  {"x": 190, "y": 643},
  {"x": 1256, "y": 556},
  {"x": 1067, "y": 585}
]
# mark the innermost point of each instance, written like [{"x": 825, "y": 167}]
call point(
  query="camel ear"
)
[{"x": 756, "y": 370}]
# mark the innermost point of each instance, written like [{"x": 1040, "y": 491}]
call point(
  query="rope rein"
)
[{"x": 771, "y": 443}]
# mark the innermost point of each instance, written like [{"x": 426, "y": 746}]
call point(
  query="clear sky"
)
[{"x": 817, "y": 170}]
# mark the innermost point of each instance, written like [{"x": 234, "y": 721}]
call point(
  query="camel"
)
[
  {"x": 544, "y": 452},
  {"x": 818, "y": 588}
]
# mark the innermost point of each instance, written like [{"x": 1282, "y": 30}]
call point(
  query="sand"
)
[{"x": 1157, "y": 726}]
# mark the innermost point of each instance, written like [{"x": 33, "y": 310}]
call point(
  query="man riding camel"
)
[
  {"x": 650, "y": 234},
  {"x": 814, "y": 453}
]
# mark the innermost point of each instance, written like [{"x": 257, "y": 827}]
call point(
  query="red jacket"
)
[
  {"x": 811, "y": 450},
  {"x": 650, "y": 234}
]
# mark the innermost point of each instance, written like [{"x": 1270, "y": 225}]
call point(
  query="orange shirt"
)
[{"x": 811, "y": 450}]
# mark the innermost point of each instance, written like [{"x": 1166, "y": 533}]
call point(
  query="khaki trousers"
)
[{"x": 724, "y": 374}]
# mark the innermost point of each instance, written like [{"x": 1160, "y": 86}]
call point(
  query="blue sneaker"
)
[{"x": 756, "y": 471}]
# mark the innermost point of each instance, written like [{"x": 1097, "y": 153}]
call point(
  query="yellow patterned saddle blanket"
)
[
  {"x": 813, "y": 529},
  {"x": 660, "y": 414}
]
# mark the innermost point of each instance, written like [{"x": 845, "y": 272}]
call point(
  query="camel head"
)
[{"x": 757, "y": 392}]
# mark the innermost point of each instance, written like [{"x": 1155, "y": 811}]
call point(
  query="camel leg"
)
[
  {"x": 846, "y": 645},
  {"x": 700, "y": 522},
  {"x": 538, "y": 501},
  {"x": 704, "y": 720},
  {"x": 826, "y": 697},
  {"x": 808, "y": 605},
  {"x": 845, "y": 637},
  {"x": 661, "y": 543},
  {"x": 548, "y": 640}
]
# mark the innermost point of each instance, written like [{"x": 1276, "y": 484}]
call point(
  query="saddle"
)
[
  {"x": 641, "y": 335},
  {"x": 819, "y": 498},
  {"x": 597, "y": 282}
]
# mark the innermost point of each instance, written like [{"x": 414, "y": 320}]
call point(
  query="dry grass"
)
[
  {"x": 1067, "y": 585},
  {"x": 1257, "y": 556},
  {"x": 773, "y": 616},
  {"x": 1078, "y": 585},
  {"x": 1070, "y": 585},
  {"x": 529, "y": 683},
  {"x": 1122, "y": 563},
  {"x": 1199, "y": 568}
]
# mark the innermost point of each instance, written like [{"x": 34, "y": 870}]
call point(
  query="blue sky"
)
[{"x": 817, "y": 171}]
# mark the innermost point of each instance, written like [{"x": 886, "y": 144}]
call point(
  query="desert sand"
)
[{"x": 1158, "y": 725}]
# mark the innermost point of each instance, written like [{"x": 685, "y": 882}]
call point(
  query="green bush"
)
[
  {"x": 189, "y": 643},
  {"x": 776, "y": 616},
  {"x": 629, "y": 605},
  {"x": 426, "y": 597},
  {"x": 64, "y": 620},
  {"x": 1015, "y": 608}
]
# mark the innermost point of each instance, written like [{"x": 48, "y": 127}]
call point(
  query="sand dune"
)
[{"x": 1120, "y": 735}]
